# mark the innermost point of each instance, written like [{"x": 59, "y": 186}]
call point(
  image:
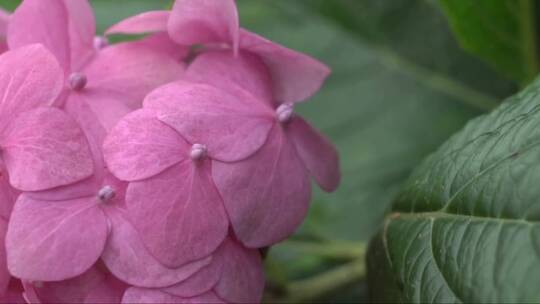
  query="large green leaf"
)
[
  {"x": 467, "y": 226},
  {"x": 501, "y": 31}
]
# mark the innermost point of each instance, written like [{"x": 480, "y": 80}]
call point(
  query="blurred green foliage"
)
[{"x": 503, "y": 32}]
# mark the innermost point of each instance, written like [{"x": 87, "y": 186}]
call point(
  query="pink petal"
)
[
  {"x": 141, "y": 146},
  {"x": 103, "y": 109},
  {"x": 72, "y": 290},
  {"x": 147, "y": 22},
  {"x": 267, "y": 195},
  {"x": 204, "y": 21},
  {"x": 44, "y": 22},
  {"x": 144, "y": 295},
  {"x": 82, "y": 30},
  {"x": 296, "y": 76},
  {"x": 232, "y": 126},
  {"x": 317, "y": 153},
  {"x": 203, "y": 281},
  {"x": 52, "y": 241},
  {"x": 5, "y": 276},
  {"x": 132, "y": 70},
  {"x": 79, "y": 107},
  {"x": 29, "y": 77},
  {"x": 127, "y": 258},
  {"x": 79, "y": 110},
  {"x": 242, "y": 279},
  {"x": 236, "y": 274},
  {"x": 162, "y": 43},
  {"x": 8, "y": 194},
  {"x": 178, "y": 213},
  {"x": 224, "y": 70},
  {"x": 45, "y": 148}
]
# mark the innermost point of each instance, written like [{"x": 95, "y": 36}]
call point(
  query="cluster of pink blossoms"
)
[{"x": 150, "y": 171}]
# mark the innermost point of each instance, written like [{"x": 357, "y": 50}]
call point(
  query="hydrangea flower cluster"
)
[{"x": 150, "y": 171}]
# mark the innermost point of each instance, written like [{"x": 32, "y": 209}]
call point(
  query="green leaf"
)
[
  {"x": 466, "y": 228},
  {"x": 503, "y": 32}
]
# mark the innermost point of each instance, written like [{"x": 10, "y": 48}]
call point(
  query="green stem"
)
[
  {"x": 325, "y": 283},
  {"x": 529, "y": 47}
]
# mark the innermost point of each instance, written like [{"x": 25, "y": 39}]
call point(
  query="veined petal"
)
[
  {"x": 147, "y": 22},
  {"x": 242, "y": 279},
  {"x": 132, "y": 70},
  {"x": 98, "y": 110},
  {"x": 204, "y": 21},
  {"x": 53, "y": 241},
  {"x": 82, "y": 30},
  {"x": 128, "y": 259},
  {"x": 29, "y": 77},
  {"x": 232, "y": 126},
  {"x": 178, "y": 213},
  {"x": 295, "y": 76},
  {"x": 317, "y": 153},
  {"x": 45, "y": 148},
  {"x": 44, "y": 22},
  {"x": 235, "y": 274},
  {"x": 267, "y": 195},
  {"x": 225, "y": 71},
  {"x": 202, "y": 281},
  {"x": 141, "y": 146},
  {"x": 95, "y": 133}
]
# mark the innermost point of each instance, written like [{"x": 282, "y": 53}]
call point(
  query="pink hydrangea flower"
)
[
  {"x": 234, "y": 276},
  {"x": 111, "y": 81},
  {"x": 244, "y": 115},
  {"x": 215, "y": 145},
  {"x": 171, "y": 199}
]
